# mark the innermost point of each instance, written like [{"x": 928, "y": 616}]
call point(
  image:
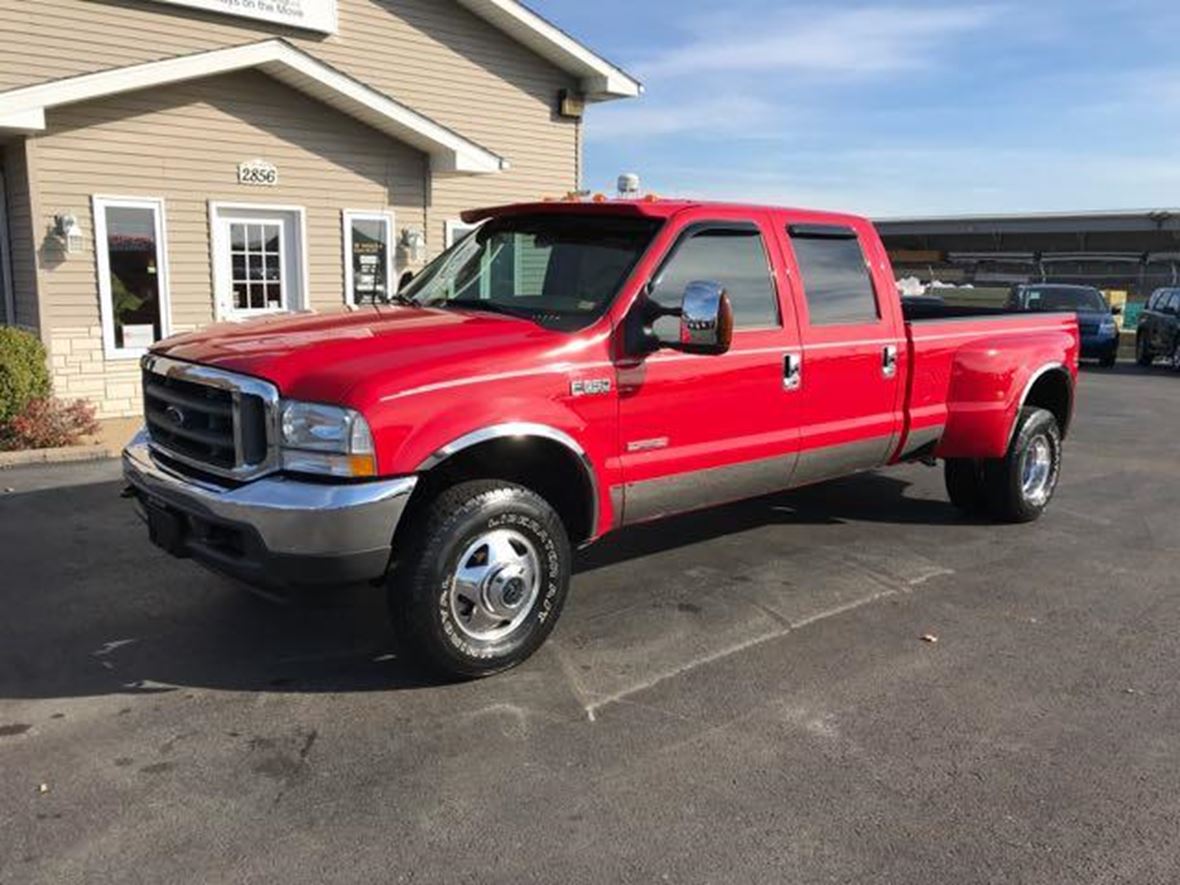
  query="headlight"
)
[
  {"x": 1108, "y": 327},
  {"x": 327, "y": 440}
]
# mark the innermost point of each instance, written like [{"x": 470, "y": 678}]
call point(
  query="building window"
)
[
  {"x": 256, "y": 263},
  {"x": 368, "y": 257},
  {"x": 455, "y": 231},
  {"x": 836, "y": 280},
  {"x": 7, "y": 301},
  {"x": 132, "y": 273},
  {"x": 258, "y": 259}
]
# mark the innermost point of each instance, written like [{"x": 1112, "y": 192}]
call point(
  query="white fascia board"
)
[
  {"x": 601, "y": 80},
  {"x": 24, "y": 109}
]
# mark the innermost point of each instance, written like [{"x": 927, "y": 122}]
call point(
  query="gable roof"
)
[
  {"x": 24, "y": 109},
  {"x": 601, "y": 80}
]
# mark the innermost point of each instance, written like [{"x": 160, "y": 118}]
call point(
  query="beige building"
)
[{"x": 168, "y": 163}]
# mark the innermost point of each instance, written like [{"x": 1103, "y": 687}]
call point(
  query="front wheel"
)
[
  {"x": 1020, "y": 485},
  {"x": 483, "y": 580},
  {"x": 1143, "y": 355}
]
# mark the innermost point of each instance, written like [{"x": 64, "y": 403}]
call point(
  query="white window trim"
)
[
  {"x": 99, "y": 204},
  {"x": 347, "y": 217},
  {"x": 219, "y": 260},
  {"x": 454, "y": 228},
  {"x": 6, "y": 258}
]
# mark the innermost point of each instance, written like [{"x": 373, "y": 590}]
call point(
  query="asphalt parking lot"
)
[{"x": 741, "y": 695}]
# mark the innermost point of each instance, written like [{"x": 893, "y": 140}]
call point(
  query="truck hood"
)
[{"x": 323, "y": 356}]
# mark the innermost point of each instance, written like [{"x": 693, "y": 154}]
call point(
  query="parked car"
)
[
  {"x": 567, "y": 370},
  {"x": 1096, "y": 318},
  {"x": 1158, "y": 333}
]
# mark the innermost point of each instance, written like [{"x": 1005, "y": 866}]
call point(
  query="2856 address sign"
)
[{"x": 313, "y": 15}]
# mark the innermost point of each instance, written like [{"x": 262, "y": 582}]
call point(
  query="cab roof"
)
[{"x": 650, "y": 207}]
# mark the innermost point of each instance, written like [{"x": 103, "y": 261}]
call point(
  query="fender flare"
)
[
  {"x": 522, "y": 429},
  {"x": 1036, "y": 376}
]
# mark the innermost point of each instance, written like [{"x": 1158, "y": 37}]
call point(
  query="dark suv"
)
[
  {"x": 1096, "y": 319},
  {"x": 1158, "y": 333}
]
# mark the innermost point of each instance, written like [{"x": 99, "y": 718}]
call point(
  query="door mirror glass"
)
[{"x": 706, "y": 319}]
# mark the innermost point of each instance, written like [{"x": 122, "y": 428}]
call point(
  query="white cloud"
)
[
  {"x": 743, "y": 116},
  {"x": 935, "y": 181},
  {"x": 857, "y": 41}
]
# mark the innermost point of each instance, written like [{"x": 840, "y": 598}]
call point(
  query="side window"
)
[
  {"x": 736, "y": 258},
  {"x": 1173, "y": 305},
  {"x": 836, "y": 280},
  {"x": 1157, "y": 296}
]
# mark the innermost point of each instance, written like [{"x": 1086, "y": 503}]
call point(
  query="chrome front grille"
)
[{"x": 219, "y": 422}]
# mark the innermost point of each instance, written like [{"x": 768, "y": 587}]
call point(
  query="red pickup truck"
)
[{"x": 565, "y": 370}]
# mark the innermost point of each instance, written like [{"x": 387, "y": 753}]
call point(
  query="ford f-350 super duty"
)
[{"x": 563, "y": 371}]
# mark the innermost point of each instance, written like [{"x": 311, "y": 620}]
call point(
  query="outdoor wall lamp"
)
[{"x": 67, "y": 230}]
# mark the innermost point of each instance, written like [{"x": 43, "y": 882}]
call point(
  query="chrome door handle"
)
[
  {"x": 889, "y": 361},
  {"x": 792, "y": 371}
]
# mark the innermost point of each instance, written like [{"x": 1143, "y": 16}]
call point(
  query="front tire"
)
[
  {"x": 483, "y": 580},
  {"x": 1020, "y": 485},
  {"x": 1108, "y": 362},
  {"x": 1143, "y": 355}
]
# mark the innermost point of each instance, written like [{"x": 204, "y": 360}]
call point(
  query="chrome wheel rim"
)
[
  {"x": 495, "y": 585},
  {"x": 1037, "y": 471}
]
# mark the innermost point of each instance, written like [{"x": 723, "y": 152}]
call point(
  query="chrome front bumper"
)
[{"x": 275, "y": 530}]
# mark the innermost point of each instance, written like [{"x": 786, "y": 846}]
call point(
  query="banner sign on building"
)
[{"x": 314, "y": 15}]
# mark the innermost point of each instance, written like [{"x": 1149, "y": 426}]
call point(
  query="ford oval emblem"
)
[{"x": 175, "y": 415}]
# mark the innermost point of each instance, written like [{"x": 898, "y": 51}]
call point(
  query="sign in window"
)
[
  {"x": 368, "y": 257},
  {"x": 132, "y": 279}
]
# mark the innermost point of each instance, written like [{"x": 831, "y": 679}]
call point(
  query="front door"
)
[
  {"x": 850, "y": 380},
  {"x": 257, "y": 260},
  {"x": 700, "y": 430}
]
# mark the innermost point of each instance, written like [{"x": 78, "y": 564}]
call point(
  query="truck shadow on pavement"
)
[{"x": 91, "y": 608}]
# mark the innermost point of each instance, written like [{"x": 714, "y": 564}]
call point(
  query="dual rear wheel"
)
[{"x": 1018, "y": 487}]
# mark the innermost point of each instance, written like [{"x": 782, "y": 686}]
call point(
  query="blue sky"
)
[{"x": 891, "y": 108}]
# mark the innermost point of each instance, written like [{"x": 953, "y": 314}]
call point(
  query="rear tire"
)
[
  {"x": 1143, "y": 355},
  {"x": 482, "y": 581},
  {"x": 964, "y": 484},
  {"x": 1020, "y": 485}
]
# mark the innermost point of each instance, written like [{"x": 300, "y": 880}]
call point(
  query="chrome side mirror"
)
[{"x": 706, "y": 319}]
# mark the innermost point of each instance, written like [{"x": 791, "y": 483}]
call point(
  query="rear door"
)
[
  {"x": 853, "y": 348},
  {"x": 700, "y": 430}
]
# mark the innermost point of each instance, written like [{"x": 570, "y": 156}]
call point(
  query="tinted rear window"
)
[
  {"x": 836, "y": 281},
  {"x": 1063, "y": 298}
]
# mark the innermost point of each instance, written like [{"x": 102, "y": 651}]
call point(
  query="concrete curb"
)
[{"x": 64, "y": 455}]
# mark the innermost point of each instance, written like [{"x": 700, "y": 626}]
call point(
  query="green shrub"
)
[{"x": 24, "y": 375}]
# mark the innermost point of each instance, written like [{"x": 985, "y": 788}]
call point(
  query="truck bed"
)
[{"x": 970, "y": 370}]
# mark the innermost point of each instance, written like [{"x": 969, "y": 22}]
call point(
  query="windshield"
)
[
  {"x": 561, "y": 271},
  {"x": 1064, "y": 298}
]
